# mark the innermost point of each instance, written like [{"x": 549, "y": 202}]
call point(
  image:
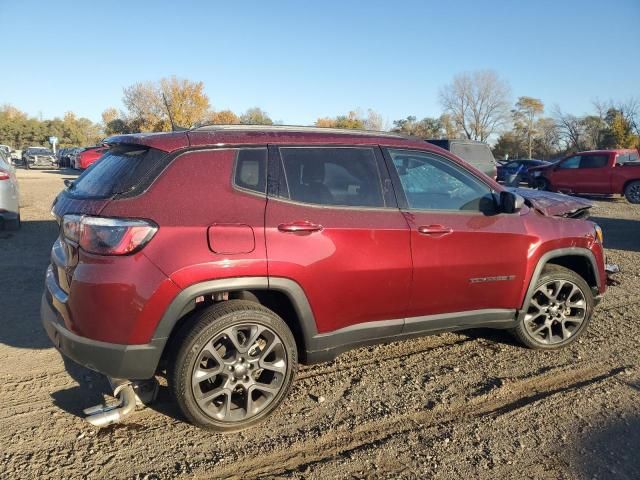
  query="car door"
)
[
  {"x": 566, "y": 174},
  {"x": 467, "y": 257},
  {"x": 334, "y": 227},
  {"x": 594, "y": 174}
]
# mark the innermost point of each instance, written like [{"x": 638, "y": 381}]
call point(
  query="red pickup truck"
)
[{"x": 596, "y": 171}]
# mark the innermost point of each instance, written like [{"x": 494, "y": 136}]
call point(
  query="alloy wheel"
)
[
  {"x": 239, "y": 372},
  {"x": 633, "y": 193},
  {"x": 556, "y": 312}
]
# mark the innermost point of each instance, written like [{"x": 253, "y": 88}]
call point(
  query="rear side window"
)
[
  {"x": 251, "y": 169},
  {"x": 594, "y": 161},
  {"x": 341, "y": 176},
  {"x": 123, "y": 170}
]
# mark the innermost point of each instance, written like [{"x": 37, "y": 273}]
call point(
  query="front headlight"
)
[{"x": 598, "y": 234}]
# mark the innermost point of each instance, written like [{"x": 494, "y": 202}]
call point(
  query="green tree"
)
[
  {"x": 255, "y": 116},
  {"x": 20, "y": 131},
  {"x": 352, "y": 120},
  {"x": 425, "y": 128},
  {"x": 509, "y": 146},
  {"x": 619, "y": 133}
]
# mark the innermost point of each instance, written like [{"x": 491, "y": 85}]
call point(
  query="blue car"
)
[{"x": 520, "y": 166}]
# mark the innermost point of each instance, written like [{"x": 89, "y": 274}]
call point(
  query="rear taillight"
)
[
  {"x": 4, "y": 175},
  {"x": 108, "y": 236}
]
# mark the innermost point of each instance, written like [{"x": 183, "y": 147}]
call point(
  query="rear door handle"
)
[
  {"x": 299, "y": 226},
  {"x": 434, "y": 230}
]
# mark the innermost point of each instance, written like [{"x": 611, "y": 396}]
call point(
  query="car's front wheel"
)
[
  {"x": 542, "y": 183},
  {"x": 558, "y": 312},
  {"x": 234, "y": 365},
  {"x": 632, "y": 192}
]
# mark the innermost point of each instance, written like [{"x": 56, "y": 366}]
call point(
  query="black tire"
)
[
  {"x": 542, "y": 184},
  {"x": 209, "y": 325},
  {"x": 632, "y": 192},
  {"x": 12, "y": 225},
  {"x": 536, "y": 318}
]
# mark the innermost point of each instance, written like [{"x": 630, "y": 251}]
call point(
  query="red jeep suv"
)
[{"x": 225, "y": 255}]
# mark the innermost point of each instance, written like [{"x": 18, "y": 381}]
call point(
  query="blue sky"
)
[{"x": 304, "y": 60}]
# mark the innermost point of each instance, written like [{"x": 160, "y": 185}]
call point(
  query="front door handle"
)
[
  {"x": 434, "y": 230},
  {"x": 299, "y": 226}
]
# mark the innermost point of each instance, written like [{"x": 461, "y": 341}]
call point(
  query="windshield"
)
[{"x": 39, "y": 151}]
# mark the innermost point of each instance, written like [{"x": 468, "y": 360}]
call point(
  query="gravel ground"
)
[{"x": 472, "y": 404}]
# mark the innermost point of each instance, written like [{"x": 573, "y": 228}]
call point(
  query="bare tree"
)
[
  {"x": 373, "y": 121},
  {"x": 477, "y": 102},
  {"x": 524, "y": 117},
  {"x": 570, "y": 129},
  {"x": 548, "y": 139}
]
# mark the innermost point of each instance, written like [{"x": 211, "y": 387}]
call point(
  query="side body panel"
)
[
  {"x": 192, "y": 195},
  {"x": 355, "y": 269},
  {"x": 481, "y": 264}
]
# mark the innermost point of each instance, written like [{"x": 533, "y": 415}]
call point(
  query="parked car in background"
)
[
  {"x": 64, "y": 157},
  {"x": 9, "y": 195},
  {"x": 598, "y": 171},
  {"x": 88, "y": 156},
  {"x": 59, "y": 154},
  {"x": 73, "y": 156},
  {"x": 218, "y": 255},
  {"x": 16, "y": 156},
  {"x": 34, "y": 157},
  {"x": 476, "y": 153},
  {"x": 6, "y": 149},
  {"x": 520, "y": 167}
]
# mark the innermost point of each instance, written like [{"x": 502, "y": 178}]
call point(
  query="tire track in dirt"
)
[{"x": 514, "y": 395}]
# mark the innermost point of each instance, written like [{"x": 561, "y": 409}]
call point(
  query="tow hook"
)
[
  {"x": 130, "y": 394},
  {"x": 612, "y": 269}
]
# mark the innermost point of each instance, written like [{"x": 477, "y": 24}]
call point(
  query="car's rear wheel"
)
[
  {"x": 233, "y": 366},
  {"x": 558, "y": 312},
  {"x": 632, "y": 192}
]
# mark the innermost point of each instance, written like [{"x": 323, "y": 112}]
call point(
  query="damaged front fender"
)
[{"x": 555, "y": 204}]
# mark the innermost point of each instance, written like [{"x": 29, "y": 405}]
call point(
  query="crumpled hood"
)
[{"x": 555, "y": 204}]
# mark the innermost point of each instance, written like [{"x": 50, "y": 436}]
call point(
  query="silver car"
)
[{"x": 9, "y": 195}]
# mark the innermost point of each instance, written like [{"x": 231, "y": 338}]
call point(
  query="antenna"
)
[{"x": 166, "y": 104}]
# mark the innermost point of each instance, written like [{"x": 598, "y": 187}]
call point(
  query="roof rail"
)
[{"x": 296, "y": 128}]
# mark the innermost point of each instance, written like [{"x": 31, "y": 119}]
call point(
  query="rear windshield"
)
[
  {"x": 475, "y": 154},
  {"x": 627, "y": 157},
  {"x": 122, "y": 170}
]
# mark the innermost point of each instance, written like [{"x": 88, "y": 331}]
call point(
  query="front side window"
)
[
  {"x": 594, "y": 161},
  {"x": 571, "y": 162},
  {"x": 340, "y": 176},
  {"x": 431, "y": 182}
]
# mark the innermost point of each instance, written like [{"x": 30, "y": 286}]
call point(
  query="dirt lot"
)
[{"x": 467, "y": 405}]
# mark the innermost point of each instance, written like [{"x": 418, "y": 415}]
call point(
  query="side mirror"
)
[{"x": 511, "y": 202}]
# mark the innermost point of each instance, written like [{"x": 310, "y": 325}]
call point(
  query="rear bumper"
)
[{"x": 133, "y": 362}]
